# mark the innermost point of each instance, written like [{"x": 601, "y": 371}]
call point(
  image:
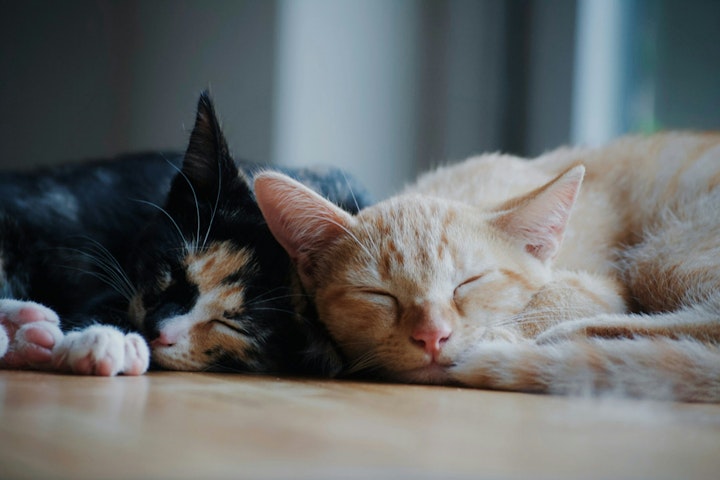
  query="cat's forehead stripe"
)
[
  {"x": 517, "y": 278},
  {"x": 213, "y": 266},
  {"x": 400, "y": 233}
]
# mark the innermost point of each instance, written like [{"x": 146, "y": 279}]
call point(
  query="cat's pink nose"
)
[
  {"x": 431, "y": 337},
  {"x": 163, "y": 340}
]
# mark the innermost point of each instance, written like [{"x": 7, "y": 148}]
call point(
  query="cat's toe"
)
[
  {"x": 96, "y": 350},
  {"x": 137, "y": 355},
  {"x": 4, "y": 341},
  {"x": 34, "y": 342},
  {"x": 31, "y": 331},
  {"x": 31, "y": 346}
]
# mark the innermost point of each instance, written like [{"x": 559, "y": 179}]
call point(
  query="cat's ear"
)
[
  {"x": 539, "y": 218},
  {"x": 302, "y": 221},
  {"x": 207, "y": 165}
]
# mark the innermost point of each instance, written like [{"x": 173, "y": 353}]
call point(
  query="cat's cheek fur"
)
[
  {"x": 195, "y": 345},
  {"x": 355, "y": 325}
]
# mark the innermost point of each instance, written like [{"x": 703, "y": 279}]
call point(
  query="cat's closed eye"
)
[
  {"x": 378, "y": 299},
  {"x": 228, "y": 326},
  {"x": 474, "y": 288},
  {"x": 469, "y": 284}
]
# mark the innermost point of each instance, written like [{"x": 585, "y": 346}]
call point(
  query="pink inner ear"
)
[
  {"x": 541, "y": 218},
  {"x": 302, "y": 221}
]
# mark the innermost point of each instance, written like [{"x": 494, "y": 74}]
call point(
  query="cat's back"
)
[
  {"x": 84, "y": 194},
  {"x": 482, "y": 180},
  {"x": 129, "y": 172},
  {"x": 630, "y": 185},
  {"x": 648, "y": 169}
]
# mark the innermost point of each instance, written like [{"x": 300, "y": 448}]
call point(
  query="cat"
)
[
  {"x": 500, "y": 272},
  {"x": 97, "y": 278}
]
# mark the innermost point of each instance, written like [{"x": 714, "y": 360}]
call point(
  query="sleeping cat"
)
[
  {"x": 92, "y": 267},
  {"x": 503, "y": 273}
]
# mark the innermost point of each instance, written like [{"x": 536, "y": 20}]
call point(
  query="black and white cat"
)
[{"x": 92, "y": 266}]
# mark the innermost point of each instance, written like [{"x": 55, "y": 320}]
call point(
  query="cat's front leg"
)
[
  {"x": 29, "y": 332},
  {"x": 102, "y": 350}
]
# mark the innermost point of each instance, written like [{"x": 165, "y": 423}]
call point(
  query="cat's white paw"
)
[
  {"x": 4, "y": 341},
  {"x": 31, "y": 332},
  {"x": 137, "y": 355},
  {"x": 19, "y": 312},
  {"x": 102, "y": 350}
]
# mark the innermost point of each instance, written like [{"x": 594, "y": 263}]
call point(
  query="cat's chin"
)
[{"x": 432, "y": 373}]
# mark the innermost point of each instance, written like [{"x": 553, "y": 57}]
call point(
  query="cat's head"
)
[
  {"x": 407, "y": 286},
  {"x": 212, "y": 284}
]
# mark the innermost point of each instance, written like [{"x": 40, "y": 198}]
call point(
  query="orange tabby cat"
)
[{"x": 479, "y": 274}]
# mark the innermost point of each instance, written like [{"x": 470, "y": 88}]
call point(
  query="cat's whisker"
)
[
  {"x": 265, "y": 294},
  {"x": 350, "y": 189},
  {"x": 165, "y": 212},
  {"x": 271, "y": 309},
  {"x": 357, "y": 207},
  {"x": 112, "y": 275},
  {"x": 194, "y": 194},
  {"x": 112, "y": 262},
  {"x": 370, "y": 238},
  {"x": 103, "y": 278},
  {"x": 540, "y": 315},
  {"x": 532, "y": 317},
  {"x": 352, "y": 235},
  {"x": 215, "y": 207},
  {"x": 367, "y": 361},
  {"x": 260, "y": 300}
]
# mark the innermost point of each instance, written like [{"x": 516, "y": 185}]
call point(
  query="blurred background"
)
[{"x": 382, "y": 88}]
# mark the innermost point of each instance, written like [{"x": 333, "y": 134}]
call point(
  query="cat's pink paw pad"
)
[
  {"x": 34, "y": 343},
  {"x": 30, "y": 333},
  {"x": 102, "y": 350},
  {"x": 31, "y": 345}
]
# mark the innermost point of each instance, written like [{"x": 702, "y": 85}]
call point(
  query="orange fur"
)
[{"x": 615, "y": 288}]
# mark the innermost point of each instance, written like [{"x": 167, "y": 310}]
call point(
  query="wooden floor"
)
[{"x": 182, "y": 425}]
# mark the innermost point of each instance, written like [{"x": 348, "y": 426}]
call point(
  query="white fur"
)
[
  {"x": 4, "y": 341},
  {"x": 11, "y": 310},
  {"x": 102, "y": 350},
  {"x": 18, "y": 319}
]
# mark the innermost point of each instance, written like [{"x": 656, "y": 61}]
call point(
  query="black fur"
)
[{"x": 58, "y": 224}]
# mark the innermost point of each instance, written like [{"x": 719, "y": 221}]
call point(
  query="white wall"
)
[
  {"x": 383, "y": 88},
  {"x": 347, "y": 88}
]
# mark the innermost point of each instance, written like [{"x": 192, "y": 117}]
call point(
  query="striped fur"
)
[{"x": 504, "y": 273}]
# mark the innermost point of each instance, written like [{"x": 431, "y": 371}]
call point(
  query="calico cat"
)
[
  {"x": 502, "y": 273},
  {"x": 93, "y": 268}
]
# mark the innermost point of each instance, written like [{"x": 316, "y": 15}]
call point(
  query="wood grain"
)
[{"x": 199, "y": 425}]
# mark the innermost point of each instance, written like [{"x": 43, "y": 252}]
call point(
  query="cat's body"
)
[
  {"x": 169, "y": 246},
  {"x": 496, "y": 272}
]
